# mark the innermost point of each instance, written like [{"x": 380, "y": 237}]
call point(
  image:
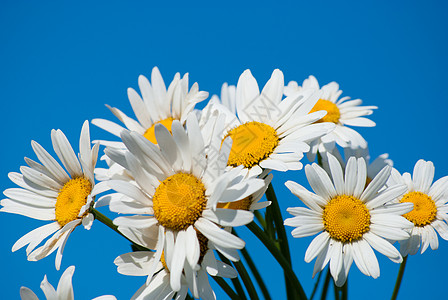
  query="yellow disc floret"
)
[
  {"x": 346, "y": 218},
  {"x": 72, "y": 197},
  {"x": 252, "y": 143},
  {"x": 424, "y": 211},
  {"x": 179, "y": 201},
  {"x": 150, "y": 132},
  {"x": 333, "y": 113}
]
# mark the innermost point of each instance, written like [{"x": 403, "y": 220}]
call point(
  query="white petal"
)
[
  {"x": 192, "y": 246},
  {"x": 48, "y": 289},
  {"x": 369, "y": 258},
  {"x": 65, "y": 153},
  {"x": 376, "y": 184},
  {"x": 134, "y": 263},
  {"x": 383, "y": 246},
  {"x": 361, "y": 178},
  {"x": 218, "y": 236},
  {"x": 386, "y": 196},
  {"x": 34, "y": 237},
  {"x": 307, "y": 230},
  {"x": 65, "y": 289},
  {"x": 336, "y": 261},
  {"x": 109, "y": 126},
  {"x": 442, "y": 228},
  {"x": 319, "y": 181},
  {"x": 178, "y": 261},
  {"x": 336, "y": 174},
  {"x": 311, "y": 200},
  {"x": 130, "y": 190},
  {"x": 21, "y": 181},
  {"x": 316, "y": 246},
  {"x": 396, "y": 234},
  {"x": 28, "y": 198},
  {"x": 50, "y": 163},
  {"x": 423, "y": 176},
  {"x": 40, "y": 178},
  {"x": 44, "y": 214},
  {"x": 351, "y": 175},
  {"x": 168, "y": 146},
  {"x": 229, "y": 217},
  {"x": 27, "y": 294}
]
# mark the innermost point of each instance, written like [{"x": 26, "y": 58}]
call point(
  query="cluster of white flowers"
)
[{"x": 182, "y": 178}]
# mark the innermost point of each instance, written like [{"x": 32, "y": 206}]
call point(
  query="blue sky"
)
[{"x": 61, "y": 62}]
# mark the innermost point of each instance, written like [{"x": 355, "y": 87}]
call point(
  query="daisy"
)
[
  {"x": 268, "y": 132},
  {"x": 343, "y": 112},
  {"x": 175, "y": 195},
  {"x": 158, "y": 287},
  {"x": 158, "y": 106},
  {"x": 50, "y": 193},
  {"x": 64, "y": 290},
  {"x": 351, "y": 217},
  {"x": 430, "y": 212}
]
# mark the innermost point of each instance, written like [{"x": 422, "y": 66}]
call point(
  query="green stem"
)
[
  {"x": 246, "y": 280},
  {"x": 270, "y": 245},
  {"x": 345, "y": 290},
  {"x": 260, "y": 219},
  {"x": 399, "y": 278},
  {"x": 278, "y": 221},
  {"x": 256, "y": 274},
  {"x": 337, "y": 291},
  {"x": 108, "y": 222},
  {"x": 269, "y": 224},
  {"x": 319, "y": 159},
  {"x": 236, "y": 282},
  {"x": 316, "y": 285},
  {"x": 326, "y": 284},
  {"x": 226, "y": 288},
  {"x": 281, "y": 234}
]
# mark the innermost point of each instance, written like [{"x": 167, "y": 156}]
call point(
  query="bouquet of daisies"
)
[{"x": 182, "y": 180}]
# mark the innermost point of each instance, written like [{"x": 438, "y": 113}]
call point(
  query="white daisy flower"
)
[
  {"x": 343, "y": 112},
  {"x": 268, "y": 132},
  {"x": 158, "y": 106},
  {"x": 351, "y": 217},
  {"x": 430, "y": 212},
  {"x": 64, "y": 290},
  {"x": 175, "y": 195},
  {"x": 49, "y": 193},
  {"x": 196, "y": 279}
]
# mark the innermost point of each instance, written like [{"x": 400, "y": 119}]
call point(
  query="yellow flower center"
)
[
  {"x": 252, "y": 143},
  {"x": 346, "y": 218},
  {"x": 150, "y": 133},
  {"x": 243, "y": 204},
  {"x": 333, "y": 113},
  {"x": 72, "y": 197},
  {"x": 424, "y": 211},
  {"x": 179, "y": 201}
]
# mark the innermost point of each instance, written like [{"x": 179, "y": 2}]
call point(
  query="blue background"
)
[{"x": 61, "y": 62}]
